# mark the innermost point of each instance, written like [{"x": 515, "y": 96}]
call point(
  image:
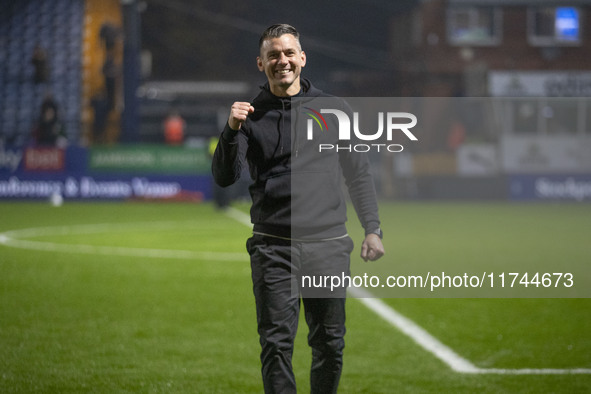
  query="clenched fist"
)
[{"x": 238, "y": 114}]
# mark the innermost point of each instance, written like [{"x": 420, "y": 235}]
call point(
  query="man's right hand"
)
[{"x": 238, "y": 114}]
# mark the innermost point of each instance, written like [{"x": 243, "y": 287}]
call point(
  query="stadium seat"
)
[{"x": 57, "y": 27}]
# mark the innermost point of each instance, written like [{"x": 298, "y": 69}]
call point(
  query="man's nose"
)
[{"x": 282, "y": 59}]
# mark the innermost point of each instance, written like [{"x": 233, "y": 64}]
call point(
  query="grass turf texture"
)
[{"x": 74, "y": 322}]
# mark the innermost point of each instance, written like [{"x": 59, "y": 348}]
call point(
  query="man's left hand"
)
[{"x": 372, "y": 248}]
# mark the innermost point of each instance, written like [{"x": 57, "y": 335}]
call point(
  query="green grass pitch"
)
[{"x": 156, "y": 298}]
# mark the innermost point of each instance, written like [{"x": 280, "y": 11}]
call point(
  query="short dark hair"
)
[{"x": 276, "y": 31}]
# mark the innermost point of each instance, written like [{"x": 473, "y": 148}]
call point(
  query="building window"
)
[
  {"x": 551, "y": 26},
  {"x": 474, "y": 25}
]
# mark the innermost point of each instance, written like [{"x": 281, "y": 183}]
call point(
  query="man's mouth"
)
[{"x": 283, "y": 72}]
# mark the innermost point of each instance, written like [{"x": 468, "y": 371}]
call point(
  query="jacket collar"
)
[{"x": 266, "y": 97}]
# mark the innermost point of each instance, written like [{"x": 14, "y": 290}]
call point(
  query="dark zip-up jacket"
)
[{"x": 297, "y": 190}]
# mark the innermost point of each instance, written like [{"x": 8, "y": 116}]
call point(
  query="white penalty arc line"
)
[
  {"x": 15, "y": 239},
  {"x": 425, "y": 340},
  {"x": 418, "y": 334}
]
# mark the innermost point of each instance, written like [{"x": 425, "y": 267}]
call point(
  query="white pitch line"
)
[
  {"x": 418, "y": 334},
  {"x": 534, "y": 371},
  {"x": 444, "y": 353},
  {"x": 422, "y": 338},
  {"x": 415, "y": 332},
  {"x": 12, "y": 239},
  {"x": 239, "y": 216}
]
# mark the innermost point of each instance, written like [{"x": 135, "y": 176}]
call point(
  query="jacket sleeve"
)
[
  {"x": 360, "y": 185},
  {"x": 359, "y": 181},
  {"x": 226, "y": 164}
]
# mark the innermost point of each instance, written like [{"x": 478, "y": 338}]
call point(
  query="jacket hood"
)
[{"x": 267, "y": 99}]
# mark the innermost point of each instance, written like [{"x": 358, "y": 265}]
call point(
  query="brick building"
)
[
  {"x": 456, "y": 47},
  {"x": 504, "y": 99}
]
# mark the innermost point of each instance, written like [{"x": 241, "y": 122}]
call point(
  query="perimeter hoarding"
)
[
  {"x": 147, "y": 159},
  {"x": 120, "y": 172}
]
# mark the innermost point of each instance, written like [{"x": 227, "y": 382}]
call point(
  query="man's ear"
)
[
  {"x": 303, "y": 54},
  {"x": 260, "y": 64}
]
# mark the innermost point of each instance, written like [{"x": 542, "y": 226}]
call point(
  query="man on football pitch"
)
[{"x": 280, "y": 250}]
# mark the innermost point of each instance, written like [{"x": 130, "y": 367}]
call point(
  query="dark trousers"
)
[{"x": 277, "y": 268}]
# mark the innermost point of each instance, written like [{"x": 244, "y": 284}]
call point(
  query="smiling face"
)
[{"x": 282, "y": 60}]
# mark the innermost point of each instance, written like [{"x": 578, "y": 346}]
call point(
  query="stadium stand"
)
[
  {"x": 67, "y": 31},
  {"x": 55, "y": 26},
  {"x": 97, "y": 13}
]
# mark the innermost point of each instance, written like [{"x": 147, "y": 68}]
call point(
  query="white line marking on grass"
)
[
  {"x": 420, "y": 336},
  {"x": 14, "y": 239},
  {"x": 444, "y": 353},
  {"x": 239, "y": 216},
  {"x": 415, "y": 332},
  {"x": 533, "y": 371}
]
